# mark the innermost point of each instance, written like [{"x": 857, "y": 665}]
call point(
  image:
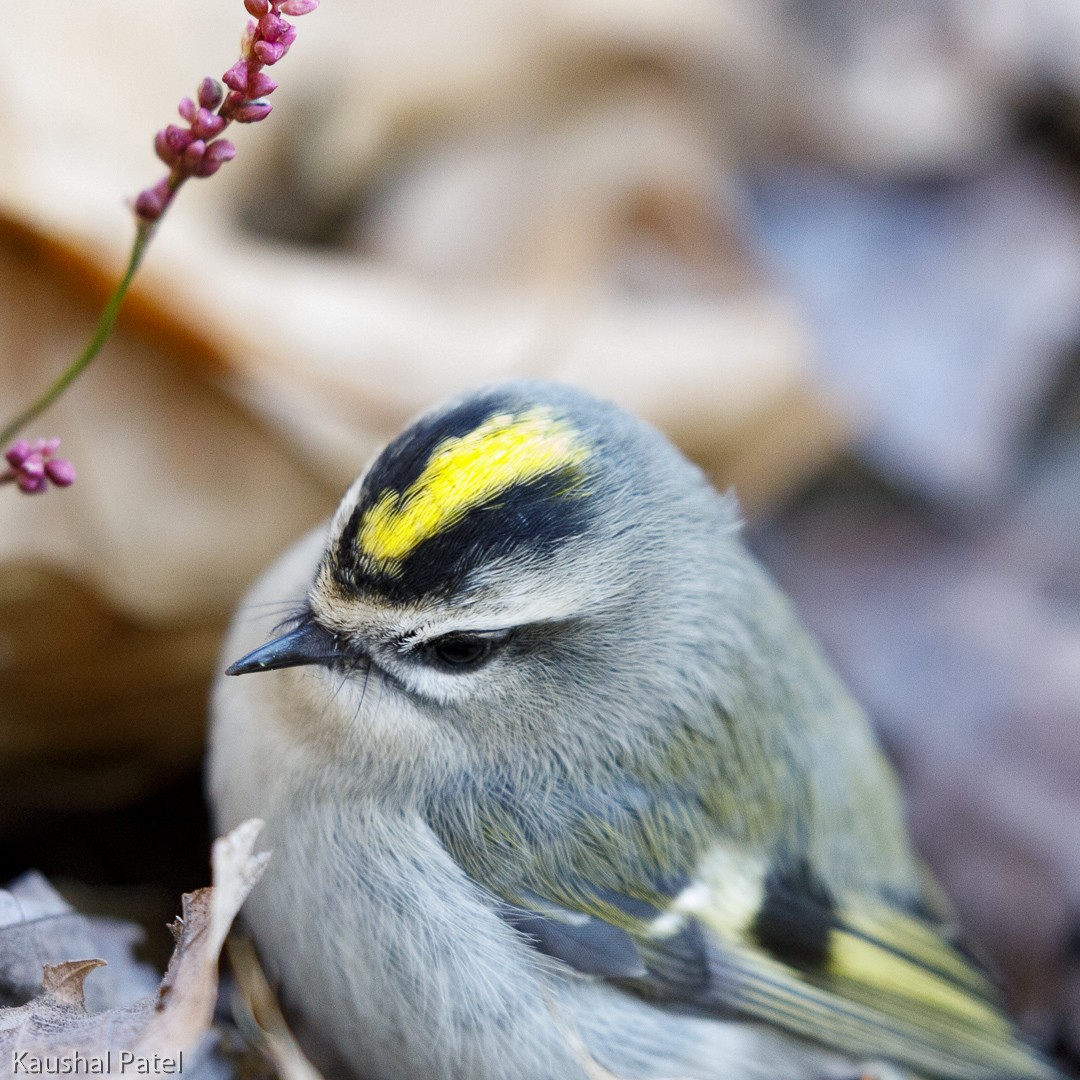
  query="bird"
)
[{"x": 558, "y": 786}]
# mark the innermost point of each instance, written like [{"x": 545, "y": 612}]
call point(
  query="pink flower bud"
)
[
  {"x": 17, "y": 453},
  {"x": 298, "y": 7},
  {"x": 271, "y": 27},
  {"x": 288, "y": 36},
  {"x": 217, "y": 153},
  {"x": 206, "y": 168},
  {"x": 211, "y": 93},
  {"x": 177, "y": 138},
  {"x": 187, "y": 109},
  {"x": 258, "y": 8},
  {"x": 33, "y": 466},
  {"x": 163, "y": 149},
  {"x": 207, "y": 124},
  {"x": 252, "y": 111},
  {"x": 149, "y": 205},
  {"x": 268, "y": 52},
  {"x": 262, "y": 84},
  {"x": 220, "y": 150},
  {"x": 236, "y": 78},
  {"x": 60, "y": 471},
  {"x": 193, "y": 153}
]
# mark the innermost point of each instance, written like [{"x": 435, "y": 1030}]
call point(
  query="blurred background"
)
[{"x": 831, "y": 247}]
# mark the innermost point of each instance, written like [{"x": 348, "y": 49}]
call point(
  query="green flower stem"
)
[{"x": 105, "y": 324}]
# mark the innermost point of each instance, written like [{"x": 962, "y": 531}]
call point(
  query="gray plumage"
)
[{"x": 555, "y": 781}]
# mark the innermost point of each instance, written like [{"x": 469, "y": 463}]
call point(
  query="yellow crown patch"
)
[{"x": 461, "y": 474}]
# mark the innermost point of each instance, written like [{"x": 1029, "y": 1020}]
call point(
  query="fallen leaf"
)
[
  {"x": 169, "y": 1023},
  {"x": 38, "y": 928}
]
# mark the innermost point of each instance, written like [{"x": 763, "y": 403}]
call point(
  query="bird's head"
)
[{"x": 525, "y": 559}]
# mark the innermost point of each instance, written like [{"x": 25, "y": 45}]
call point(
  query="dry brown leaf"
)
[
  {"x": 172, "y": 1021},
  {"x": 63, "y": 983},
  {"x": 38, "y": 928}
]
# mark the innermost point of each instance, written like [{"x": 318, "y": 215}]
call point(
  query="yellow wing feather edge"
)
[{"x": 891, "y": 985}]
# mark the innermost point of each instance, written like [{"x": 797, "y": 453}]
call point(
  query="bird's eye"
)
[{"x": 462, "y": 651}]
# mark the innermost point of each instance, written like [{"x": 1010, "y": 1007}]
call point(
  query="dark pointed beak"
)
[{"x": 309, "y": 643}]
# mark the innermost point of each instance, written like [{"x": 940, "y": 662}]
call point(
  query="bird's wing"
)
[{"x": 855, "y": 973}]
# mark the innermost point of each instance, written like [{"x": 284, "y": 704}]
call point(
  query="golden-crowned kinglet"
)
[{"x": 556, "y": 783}]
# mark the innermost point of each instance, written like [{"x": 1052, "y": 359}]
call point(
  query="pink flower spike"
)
[
  {"x": 236, "y": 78},
  {"x": 17, "y": 453},
  {"x": 194, "y": 149},
  {"x": 262, "y": 84},
  {"x": 60, "y": 471},
  {"x": 211, "y": 93},
  {"x": 269, "y": 52},
  {"x": 252, "y": 111}
]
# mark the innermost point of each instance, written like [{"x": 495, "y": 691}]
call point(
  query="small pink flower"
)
[
  {"x": 207, "y": 124},
  {"x": 211, "y": 93},
  {"x": 193, "y": 153},
  {"x": 261, "y": 84},
  {"x": 178, "y": 138},
  {"x": 268, "y": 52},
  {"x": 217, "y": 153},
  {"x": 33, "y": 466},
  {"x": 236, "y": 78},
  {"x": 151, "y": 202},
  {"x": 271, "y": 27},
  {"x": 60, "y": 471},
  {"x": 163, "y": 149},
  {"x": 148, "y": 205},
  {"x": 252, "y": 111}
]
